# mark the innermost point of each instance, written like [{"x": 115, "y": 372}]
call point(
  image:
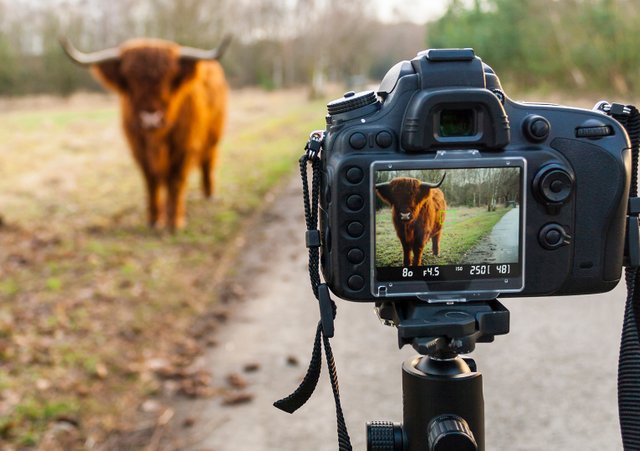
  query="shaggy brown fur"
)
[
  {"x": 173, "y": 115},
  {"x": 418, "y": 215}
]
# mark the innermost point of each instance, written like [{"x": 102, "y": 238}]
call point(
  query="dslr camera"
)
[{"x": 439, "y": 187}]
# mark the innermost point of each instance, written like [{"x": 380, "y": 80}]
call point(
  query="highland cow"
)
[
  {"x": 418, "y": 210},
  {"x": 173, "y": 101}
]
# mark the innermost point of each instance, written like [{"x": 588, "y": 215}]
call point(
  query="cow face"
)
[
  {"x": 149, "y": 77},
  {"x": 148, "y": 73},
  {"x": 406, "y": 196}
]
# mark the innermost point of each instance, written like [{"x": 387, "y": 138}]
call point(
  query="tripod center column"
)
[{"x": 441, "y": 391}]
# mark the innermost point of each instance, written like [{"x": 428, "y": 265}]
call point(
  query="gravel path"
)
[
  {"x": 501, "y": 244},
  {"x": 549, "y": 384}
]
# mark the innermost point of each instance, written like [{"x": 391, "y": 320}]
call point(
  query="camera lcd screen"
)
[{"x": 448, "y": 228}]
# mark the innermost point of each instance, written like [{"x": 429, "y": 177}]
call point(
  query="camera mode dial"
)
[{"x": 352, "y": 101}]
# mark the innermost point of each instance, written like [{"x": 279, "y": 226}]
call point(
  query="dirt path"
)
[{"x": 549, "y": 384}]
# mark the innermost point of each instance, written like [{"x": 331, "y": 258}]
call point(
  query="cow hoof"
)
[
  {"x": 157, "y": 225},
  {"x": 178, "y": 225}
]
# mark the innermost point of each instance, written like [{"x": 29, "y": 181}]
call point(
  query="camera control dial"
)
[{"x": 553, "y": 184}]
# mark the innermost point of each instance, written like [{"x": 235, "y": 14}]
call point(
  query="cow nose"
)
[
  {"x": 151, "y": 119},
  {"x": 405, "y": 216}
]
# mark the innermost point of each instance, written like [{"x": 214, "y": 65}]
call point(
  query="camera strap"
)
[
  {"x": 325, "y": 329},
  {"x": 629, "y": 360}
]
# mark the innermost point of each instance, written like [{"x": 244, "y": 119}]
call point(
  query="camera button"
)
[
  {"x": 384, "y": 139},
  {"x": 356, "y": 282},
  {"x": 556, "y": 186},
  {"x": 355, "y": 256},
  {"x": 553, "y": 236},
  {"x": 355, "y": 229},
  {"x": 355, "y": 175},
  {"x": 358, "y": 141},
  {"x": 536, "y": 128},
  {"x": 355, "y": 202}
]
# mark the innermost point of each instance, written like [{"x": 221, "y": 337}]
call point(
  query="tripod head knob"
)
[
  {"x": 384, "y": 436},
  {"x": 450, "y": 432}
]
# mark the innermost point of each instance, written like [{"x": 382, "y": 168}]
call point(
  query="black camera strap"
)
[
  {"x": 629, "y": 360},
  {"x": 324, "y": 330}
]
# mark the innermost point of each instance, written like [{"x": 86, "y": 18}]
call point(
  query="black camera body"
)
[{"x": 441, "y": 188}]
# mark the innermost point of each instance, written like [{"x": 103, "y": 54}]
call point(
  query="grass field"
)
[
  {"x": 463, "y": 228},
  {"x": 97, "y": 313}
]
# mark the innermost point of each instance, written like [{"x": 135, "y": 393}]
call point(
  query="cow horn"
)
[
  {"x": 435, "y": 185},
  {"x": 87, "y": 59},
  {"x": 191, "y": 53}
]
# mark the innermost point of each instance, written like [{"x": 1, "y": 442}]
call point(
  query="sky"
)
[{"x": 418, "y": 11}]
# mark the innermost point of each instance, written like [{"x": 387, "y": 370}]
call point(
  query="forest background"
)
[{"x": 546, "y": 45}]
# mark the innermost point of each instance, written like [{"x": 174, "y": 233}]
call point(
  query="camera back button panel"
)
[{"x": 351, "y": 254}]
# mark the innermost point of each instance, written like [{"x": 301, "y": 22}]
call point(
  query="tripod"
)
[{"x": 443, "y": 406}]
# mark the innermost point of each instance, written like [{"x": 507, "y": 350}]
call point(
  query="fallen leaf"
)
[
  {"x": 166, "y": 416},
  {"x": 101, "y": 370},
  {"x": 236, "y": 398},
  {"x": 251, "y": 367},
  {"x": 188, "y": 422},
  {"x": 150, "y": 406},
  {"x": 43, "y": 384},
  {"x": 236, "y": 381}
]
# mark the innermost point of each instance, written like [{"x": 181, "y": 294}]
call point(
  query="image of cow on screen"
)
[
  {"x": 470, "y": 215},
  {"x": 417, "y": 209}
]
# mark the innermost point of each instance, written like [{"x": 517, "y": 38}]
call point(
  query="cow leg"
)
[
  {"x": 435, "y": 241},
  {"x": 417, "y": 253},
  {"x": 207, "y": 178},
  {"x": 155, "y": 210},
  {"x": 176, "y": 197},
  {"x": 406, "y": 250},
  {"x": 208, "y": 166},
  {"x": 152, "y": 181}
]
